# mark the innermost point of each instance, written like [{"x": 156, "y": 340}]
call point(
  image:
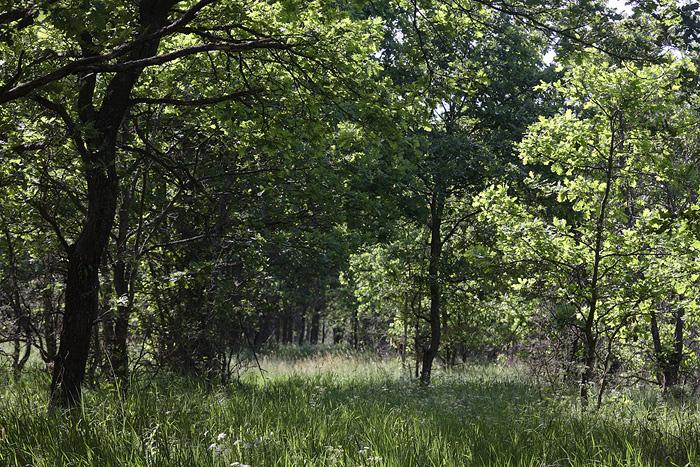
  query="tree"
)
[
  {"x": 83, "y": 72},
  {"x": 466, "y": 73},
  {"x": 605, "y": 153}
]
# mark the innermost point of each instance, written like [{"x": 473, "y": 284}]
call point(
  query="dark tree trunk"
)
[
  {"x": 22, "y": 348},
  {"x": 96, "y": 355},
  {"x": 288, "y": 329},
  {"x": 355, "y": 329},
  {"x": 302, "y": 328},
  {"x": 668, "y": 363},
  {"x": 22, "y": 334},
  {"x": 436, "y": 207},
  {"x": 122, "y": 275},
  {"x": 119, "y": 354},
  {"x": 315, "y": 326},
  {"x": 82, "y": 286},
  {"x": 658, "y": 350},
  {"x": 284, "y": 329},
  {"x": 404, "y": 342},
  {"x": 279, "y": 329},
  {"x": 98, "y": 154},
  {"x": 337, "y": 335},
  {"x": 416, "y": 344},
  {"x": 676, "y": 357},
  {"x": 49, "y": 323}
]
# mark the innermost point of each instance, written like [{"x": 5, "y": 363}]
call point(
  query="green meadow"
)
[{"x": 343, "y": 410}]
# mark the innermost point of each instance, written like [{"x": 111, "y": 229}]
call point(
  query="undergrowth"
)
[{"x": 335, "y": 409}]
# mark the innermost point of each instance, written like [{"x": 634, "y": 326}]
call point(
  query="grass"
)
[{"x": 336, "y": 409}]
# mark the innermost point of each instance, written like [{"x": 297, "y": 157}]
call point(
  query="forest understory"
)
[
  {"x": 349, "y": 232},
  {"x": 336, "y": 408}
]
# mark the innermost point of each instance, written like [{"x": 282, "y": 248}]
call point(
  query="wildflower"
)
[
  {"x": 243, "y": 444},
  {"x": 221, "y": 437},
  {"x": 219, "y": 450}
]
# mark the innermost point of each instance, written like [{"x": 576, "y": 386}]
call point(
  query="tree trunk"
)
[
  {"x": 82, "y": 288},
  {"x": 22, "y": 335},
  {"x": 573, "y": 361},
  {"x": 20, "y": 356},
  {"x": 338, "y": 334},
  {"x": 658, "y": 349},
  {"x": 302, "y": 328},
  {"x": 95, "y": 358},
  {"x": 589, "y": 343},
  {"x": 49, "y": 323},
  {"x": 669, "y": 364},
  {"x": 122, "y": 275},
  {"x": 98, "y": 155},
  {"x": 589, "y": 334},
  {"x": 119, "y": 353},
  {"x": 676, "y": 357},
  {"x": 416, "y": 343},
  {"x": 355, "y": 329},
  {"x": 436, "y": 207},
  {"x": 288, "y": 328},
  {"x": 315, "y": 326},
  {"x": 82, "y": 285},
  {"x": 279, "y": 331}
]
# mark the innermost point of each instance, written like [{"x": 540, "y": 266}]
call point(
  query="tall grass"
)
[{"x": 336, "y": 409}]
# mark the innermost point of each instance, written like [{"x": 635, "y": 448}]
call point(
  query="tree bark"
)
[{"x": 436, "y": 208}]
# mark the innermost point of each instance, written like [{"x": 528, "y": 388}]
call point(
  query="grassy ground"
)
[{"x": 337, "y": 410}]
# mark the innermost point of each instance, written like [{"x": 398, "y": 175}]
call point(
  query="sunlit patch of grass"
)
[{"x": 336, "y": 409}]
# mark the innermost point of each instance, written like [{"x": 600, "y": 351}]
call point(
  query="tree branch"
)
[
  {"x": 9, "y": 93},
  {"x": 44, "y": 213},
  {"x": 61, "y": 111},
  {"x": 194, "y": 102}
]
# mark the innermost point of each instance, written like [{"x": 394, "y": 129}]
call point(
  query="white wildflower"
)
[{"x": 243, "y": 444}]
